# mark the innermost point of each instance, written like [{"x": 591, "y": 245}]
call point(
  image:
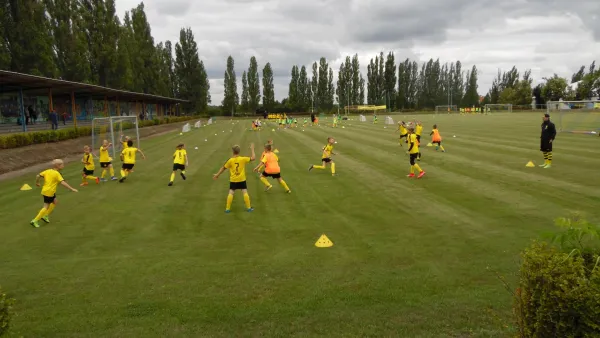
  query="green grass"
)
[{"x": 410, "y": 257}]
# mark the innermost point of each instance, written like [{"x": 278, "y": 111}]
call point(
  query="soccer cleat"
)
[
  {"x": 46, "y": 219},
  {"x": 268, "y": 188},
  {"x": 289, "y": 191},
  {"x": 114, "y": 178},
  {"x": 410, "y": 175},
  {"x": 97, "y": 180},
  {"x": 182, "y": 176},
  {"x": 548, "y": 166},
  {"x": 122, "y": 179},
  {"x": 34, "y": 224},
  {"x": 170, "y": 184},
  {"x": 227, "y": 211},
  {"x": 250, "y": 210},
  {"x": 421, "y": 174},
  {"x": 103, "y": 180},
  {"x": 543, "y": 165},
  {"x": 311, "y": 168},
  {"x": 83, "y": 184}
]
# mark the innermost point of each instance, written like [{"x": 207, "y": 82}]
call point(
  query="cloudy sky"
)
[{"x": 547, "y": 36}]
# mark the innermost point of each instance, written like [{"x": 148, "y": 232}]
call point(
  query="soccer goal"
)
[
  {"x": 580, "y": 117},
  {"x": 362, "y": 118},
  {"x": 389, "y": 120},
  {"x": 498, "y": 108},
  {"x": 186, "y": 128},
  {"x": 111, "y": 129},
  {"x": 198, "y": 124},
  {"x": 446, "y": 109}
]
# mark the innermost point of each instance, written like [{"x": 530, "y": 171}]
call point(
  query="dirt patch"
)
[{"x": 18, "y": 161}]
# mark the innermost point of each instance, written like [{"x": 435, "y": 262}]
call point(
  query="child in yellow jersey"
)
[
  {"x": 88, "y": 167},
  {"x": 52, "y": 178},
  {"x": 326, "y": 157},
  {"x": 180, "y": 162},
  {"x": 403, "y": 132},
  {"x": 128, "y": 158},
  {"x": 237, "y": 176},
  {"x": 436, "y": 138},
  {"x": 413, "y": 150},
  {"x": 271, "y": 163},
  {"x": 418, "y": 132},
  {"x": 106, "y": 161},
  {"x": 124, "y": 141}
]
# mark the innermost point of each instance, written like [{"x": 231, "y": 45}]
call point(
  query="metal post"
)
[
  {"x": 112, "y": 135},
  {"x": 137, "y": 132},
  {"x": 92, "y": 107},
  {"x": 22, "y": 110}
]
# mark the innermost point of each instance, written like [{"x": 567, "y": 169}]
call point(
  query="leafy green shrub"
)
[{"x": 6, "y": 305}]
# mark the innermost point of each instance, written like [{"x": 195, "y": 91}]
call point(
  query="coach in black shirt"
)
[{"x": 547, "y": 137}]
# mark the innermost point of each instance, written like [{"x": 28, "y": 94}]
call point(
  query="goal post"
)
[
  {"x": 498, "y": 108},
  {"x": 446, "y": 109},
  {"x": 579, "y": 117},
  {"x": 111, "y": 129}
]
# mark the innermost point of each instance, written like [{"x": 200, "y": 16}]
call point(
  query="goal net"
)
[
  {"x": 446, "y": 109},
  {"x": 210, "y": 121},
  {"x": 581, "y": 117},
  {"x": 498, "y": 108},
  {"x": 186, "y": 128},
  {"x": 198, "y": 124},
  {"x": 362, "y": 118},
  {"x": 111, "y": 129},
  {"x": 389, "y": 120}
]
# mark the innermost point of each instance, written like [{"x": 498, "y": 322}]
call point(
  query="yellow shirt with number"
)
[
  {"x": 52, "y": 179},
  {"x": 88, "y": 161},
  {"x": 412, "y": 140},
  {"x": 179, "y": 156},
  {"x": 327, "y": 150},
  {"x": 129, "y": 155},
  {"x": 237, "y": 168},
  {"x": 403, "y": 130},
  {"x": 104, "y": 157},
  {"x": 418, "y": 129}
]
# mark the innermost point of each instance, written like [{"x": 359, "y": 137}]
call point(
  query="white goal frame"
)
[
  {"x": 486, "y": 108},
  {"x": 110, "y": 122},
  {"x": 574, "y": 111},
  {"x": 446, "y": 109}
]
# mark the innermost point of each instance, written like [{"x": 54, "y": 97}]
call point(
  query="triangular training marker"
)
[
  {"x": 430, "y": 144},
  {"x": 25, "y": 187},
  {"x": 276, "y": 151},
  {"x": 530, "y": 164},
  {"x": 323, "y": 242}
]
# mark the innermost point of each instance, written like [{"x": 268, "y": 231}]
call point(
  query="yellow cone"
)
[
  {"x": 25, "y": 187},
  {"x": 323, "y": 242},
  {"x": 276, "y": 151},
  {"x": 530, "y": 164}
]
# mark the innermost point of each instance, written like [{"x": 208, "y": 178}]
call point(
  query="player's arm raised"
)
[{"x": 253, "y": 154}]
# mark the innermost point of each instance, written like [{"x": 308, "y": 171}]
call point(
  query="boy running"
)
[
  {"x": 52, "y": 178},
  {"x": 403, "y": 132},
  {"x": 88, "y": 167},
  {"x": 237, "y": 176},
  {"x": 436, "y": 138},
  {"x": 128, "y": 158},
  {"x": 180, "y": 162},
  {"x": 413, "y": 150},
  {"x": 105, "y": 161},
  {"x": 326, "y": 157},
  {"x": 271, "y": 163},
  {"x": 418, "y": 132}
]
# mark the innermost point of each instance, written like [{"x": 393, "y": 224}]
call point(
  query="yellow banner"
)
[{"x": 371, "y": 107}]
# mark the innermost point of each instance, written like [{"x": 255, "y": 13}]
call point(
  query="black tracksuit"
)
[{"x": 548, "y": 134}]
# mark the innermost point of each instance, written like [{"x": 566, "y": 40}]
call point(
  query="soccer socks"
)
[
  {"x": 442, "y": 147},
  {"x": 412, "y": 169},
  {"x": 112, "y": 172},
  {"x": 172, "y": 177},
  {"x": 265, "y": 181},
  {"x": 417, "y": 167},
  {"x": 91, "y": 178},
  {"x": 246, "y": 200},
  {"x": 103, "y": 173},
  {"x": 41, "y": 214},
  {"x": 284, "y": 185},
  {"x": 229, "y": 201},
  {"x": 549, "y": 161},
  {"x": 50, "y": 209},
  {"x": 318, "y": 167},
  {"x": 124, "y": 173},
  {"x": 332, "y": 168}
]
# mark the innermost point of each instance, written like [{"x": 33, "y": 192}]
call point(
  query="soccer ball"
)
[{"x": 196, "y": 148}]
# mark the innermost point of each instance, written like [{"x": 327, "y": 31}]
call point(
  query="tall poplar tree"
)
[
  {"x": 253, "y": 85},
  {"x": 230, "y": 98},
  {"x": 191, "y": 78},
  {"x": 390, "y": 79},
  {"x": 303, "y": 90},
  {"x": 293, "y": 93},
  {"x": 268, "y": 88},
  {"x": 244, "y": 101}
]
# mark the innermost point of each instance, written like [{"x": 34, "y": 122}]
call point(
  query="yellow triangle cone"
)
[
  {"x": 276, "y": 151},
  {"x": 323, "y": 242},
  {"x": 430, "y": 144},
  {"x": 25, "y": 187},
  {"x": 530, "y": 164}
]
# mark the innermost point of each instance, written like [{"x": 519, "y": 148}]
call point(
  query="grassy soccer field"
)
[{"x": 410, "y": 257}]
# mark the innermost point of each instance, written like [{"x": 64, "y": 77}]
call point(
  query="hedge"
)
[{"x": 45, "y": 136}]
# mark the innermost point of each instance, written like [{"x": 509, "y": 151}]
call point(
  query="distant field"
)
[{"x": 410, "y": 257}]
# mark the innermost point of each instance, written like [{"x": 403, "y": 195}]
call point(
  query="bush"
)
[
  {"x": 5, "y": 312},
  {"x": 558, "y": 296}
]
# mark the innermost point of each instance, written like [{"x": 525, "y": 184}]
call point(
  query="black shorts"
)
[
  {"x": 104, "y": 164},
  {"x": 326, "y": 160},
  {"x": 276, "y": 176},
  {"x": 419, "y": 138},
  {"x": 237, "y": 185},
  {"x": 127, "y": 166},
  {"x": 177, "y": 166},
  {"x": 545, "y": 146},
  {"x": 49, "y": 200},
  {"x": 403, "y": 136},
  {"x": 88, "y": 172},
  {"x": 439, "y": 143},
  {"x": 413, "y": 157}
]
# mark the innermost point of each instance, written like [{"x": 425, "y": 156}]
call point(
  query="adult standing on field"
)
[{"x": 547, "y": 138}]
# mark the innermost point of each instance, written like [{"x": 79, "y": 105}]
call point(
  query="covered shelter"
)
[{"x": 76, "y": 101}]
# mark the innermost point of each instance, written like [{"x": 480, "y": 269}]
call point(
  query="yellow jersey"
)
[
  {"x": 327, "y": 150},
  {"x": 414, "y": 144},
  {"x": 104, "y": 157},
  {"x": 179, "y": 156},
  {"x": 125, "y": 146},
  {"x": 403, "y": 130},
  {"x": 52, "y": 179},
  {"x": 88, "y": 161},
  {"x": 418, "y": 129},
  {"x": 129, "y": 155},
  {"x": 237, "y": 168}
]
